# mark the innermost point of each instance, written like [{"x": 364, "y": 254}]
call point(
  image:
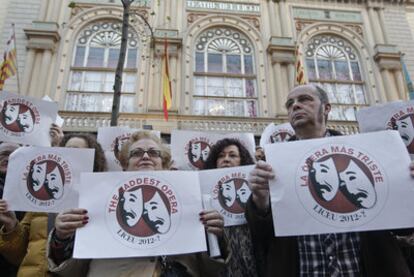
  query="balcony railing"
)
[{"x": 91, "y": 121}]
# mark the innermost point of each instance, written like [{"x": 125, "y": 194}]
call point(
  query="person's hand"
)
[
  {"x": 259, "y": 184},
  {"x": 67, "y": 222},
  {"x": 213, "y": 222},
  {"x": 7, "y": 218},
  {"x": 56, "y": 134}
]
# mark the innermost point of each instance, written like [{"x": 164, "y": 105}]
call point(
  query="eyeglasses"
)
[{"x": 139, "y": 153}]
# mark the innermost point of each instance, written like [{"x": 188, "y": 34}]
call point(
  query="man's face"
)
[
  {"x": 11, "y": 113},
  {"x": 243, "y": 193},
  {"x": 305, "y": 108},
  {"x": 196, "y": 151},
  {"x": 406, "y": 129},
  {"x": 228, "y": 190},
  {"x": 326, "y": 179},
  {"x": 25, "y": 120},
  {"x": 133, "y": 206},
  {"x": 358, "y": 188},
  {"x": 54, "y": 183},
  {"x": 157, "y": 214},
  {"x": 38, "y": 175}
]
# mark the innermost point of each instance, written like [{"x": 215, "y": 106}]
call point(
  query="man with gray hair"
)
[{"x": 343, "y": 254}]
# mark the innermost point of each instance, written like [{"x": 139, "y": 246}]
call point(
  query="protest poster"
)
[
  {"x": 341, "y": 184},
  {"x": 26, "y": 120},
  {"x": 59, "y": 120},
  {"x": 228, "y": 190},
  {"x": 112, "y": 139},
  {"x": 396, "y": 115},
  {"x": 139, "y": 214},
  {"x": 190, "y": 149},
  {"x": 41, "y": 179},
  {"x": 276, "y": 133}
]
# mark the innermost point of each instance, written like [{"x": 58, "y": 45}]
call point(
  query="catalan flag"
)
[
  {"x": 9, "y": 66},
  {"x": 300, "y": 72},
  {"x": 166, "y": 83}
]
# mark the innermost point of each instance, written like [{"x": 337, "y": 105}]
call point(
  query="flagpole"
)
[{"x": 17, "y": 62}]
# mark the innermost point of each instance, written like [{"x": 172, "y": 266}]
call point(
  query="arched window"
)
[
  {"x": 93, "y": 67},
  {"x": 224, "y": 74},
  {"x": 333, "y": 63}
]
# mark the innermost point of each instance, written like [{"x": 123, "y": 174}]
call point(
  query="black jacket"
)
[{"x": 380, "y": 253}]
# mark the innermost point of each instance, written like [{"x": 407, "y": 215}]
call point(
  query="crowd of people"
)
[{"x": 41, "y": 244}]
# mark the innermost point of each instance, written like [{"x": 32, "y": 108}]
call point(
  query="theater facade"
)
[{"x": 231, "y": 62}]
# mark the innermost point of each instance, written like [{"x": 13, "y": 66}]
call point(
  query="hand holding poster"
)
[
  {"x": 341, "y": 184},
  {"x": 276, "y": 133},
  {"x": 26, "y": 120},
  {"x": 397, "y": 116},
  {"x": 140, "y": 214},
  {"x": 190, "y": 149},
  {"x": 229, "y": 191},
  {"x": 41, "y": 179},
  {"x": 111, "y": 140}
]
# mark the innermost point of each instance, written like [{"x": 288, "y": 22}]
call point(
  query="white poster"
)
[
  {"x": 341, "y": 184},
  {"x": 397, "y": 116},
  {"x": 140, "y": 214},
  {"x": 228, "y": 189},
  {"x": 59, "y": 120},
  {"x": 276, "y": 133},
  {"x": 112, "y": 139},
  {"x": 26, "y": 120},
  {"x": 41, "y": 179},
  {"x": 190, "y": 149}
]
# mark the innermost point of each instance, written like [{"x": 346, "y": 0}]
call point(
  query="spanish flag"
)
[
  {"x": 9, "y": 66},
  {"x": 300, "y": 72},
  {"x": 166, "y": 83}
]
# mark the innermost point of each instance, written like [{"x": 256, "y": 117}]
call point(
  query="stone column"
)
[
  {"x": 173, "y": 78},
  {"x": 44, "y": 72},
  {"x": 277, "y": 71},
  {"x": 375, "y": 25},
  {"x": 43, "y": 9},
  {"x": 168, "y": 14},
  {"x": 283, "y": 18},
  {"x": 382, "y": 24},
  {"x": 35, "y": 75},
  {"x": 28, "y": 71},
  {"x": 161, "y": 16},
  {"x": 390, "y": 90},
  {"x": 291, "y": 75},
  {"x": 273, "y": 12},
  {"x": 173, "y": 14},
  {"x": 401, "y": 86},
  {"x": 50, "y": 10},
  {"x": 178, "y": 87}
]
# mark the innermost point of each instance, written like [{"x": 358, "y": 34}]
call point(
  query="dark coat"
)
[{"x": 380, "y": 253}]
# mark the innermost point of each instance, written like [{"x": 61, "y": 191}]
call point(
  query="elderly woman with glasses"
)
[{"x": 143, "y": 152}]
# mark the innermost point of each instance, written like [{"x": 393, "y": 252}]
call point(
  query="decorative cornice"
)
[
  {"x": 174, "y": 42},
  {"x": 387, "y": 57},
  {"x": 43, "y": 35},
  {"x": 282, "y": 50}
]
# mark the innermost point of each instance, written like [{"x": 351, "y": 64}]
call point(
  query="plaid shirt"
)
[{"x": 330, "y": 255}]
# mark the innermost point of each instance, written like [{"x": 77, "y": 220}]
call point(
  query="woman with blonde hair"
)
[{"x": 143, "y": 152}]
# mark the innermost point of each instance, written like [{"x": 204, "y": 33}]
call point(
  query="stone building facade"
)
[{"x": 232, "y": 62}]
